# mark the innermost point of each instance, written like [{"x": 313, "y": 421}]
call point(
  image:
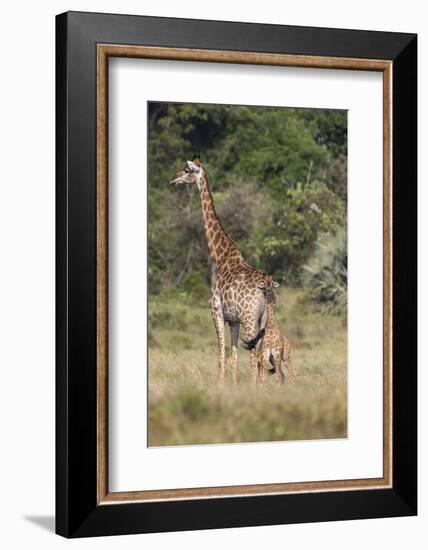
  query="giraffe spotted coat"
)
[
  {"x": 275, "y": 347},
  {"x": 236, "y": 297}
]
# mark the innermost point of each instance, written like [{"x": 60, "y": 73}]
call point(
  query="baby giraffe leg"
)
[
  {"x": 287, "y": 359},
  {"x": 264, "y": 365},
  {"x": 278, "y": 372},
  {"x": 259, "y": 364},
  {"x": 250, "y": 332},
  {"x": 254, "y": 369}
]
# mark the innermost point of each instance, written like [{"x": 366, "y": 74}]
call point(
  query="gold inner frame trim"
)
[{"x": 104, "y": 51}]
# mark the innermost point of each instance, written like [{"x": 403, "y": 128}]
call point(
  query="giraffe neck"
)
[
  {"x": 270, "y": 307},
  {"x": 220, "y": 245}
]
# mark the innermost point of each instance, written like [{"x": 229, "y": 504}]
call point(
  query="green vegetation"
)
[
  {"x": 327, "y": 276},
  {"x": 278, "y": 177},
  {"x": 186, "y": 405},
  {"x": 284, "y": 168}
]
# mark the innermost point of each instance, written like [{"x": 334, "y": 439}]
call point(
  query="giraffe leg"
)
[
  {"x": 254, "y": 368},
  {"x": 290, "y": 368},
  {"x": 264, "y": 364},
  {"x": 250, "y": 332},
  {"x": 279, "y": 375},
  {"x": 259, "y": 364},
  {"x": 287, "y": 359},
  {"x": 217, "y": 315},
  {"x": 234, "y": 335}
]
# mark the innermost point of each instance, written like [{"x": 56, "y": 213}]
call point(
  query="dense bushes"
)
[
  {"x": 327, "y": 273},
  {"x": 278, "y": 178}
]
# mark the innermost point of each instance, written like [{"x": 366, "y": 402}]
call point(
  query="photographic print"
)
[
  {"x": 233, "y": 256},
  {"x": 247, "y": 274}
]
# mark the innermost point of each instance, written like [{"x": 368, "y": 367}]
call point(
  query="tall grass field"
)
[{"x": 188, "y": 407}]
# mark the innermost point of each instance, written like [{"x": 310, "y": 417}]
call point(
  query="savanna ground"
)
[{"x": 187, "y": 406}]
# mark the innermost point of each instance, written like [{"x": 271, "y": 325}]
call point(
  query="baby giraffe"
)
[{"x": 275, "y": 347}]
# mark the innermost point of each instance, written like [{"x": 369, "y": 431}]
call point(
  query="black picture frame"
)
[{"x": 77, "y": 511}]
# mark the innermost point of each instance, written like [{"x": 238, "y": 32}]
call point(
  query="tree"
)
[{"x": 278, "y": 176}]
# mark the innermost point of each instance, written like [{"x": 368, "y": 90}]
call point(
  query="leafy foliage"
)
[
  {"x": 287, "y": 241},
  {"x": 278, "y": 177},
  {"x": 327, "y": 271}
]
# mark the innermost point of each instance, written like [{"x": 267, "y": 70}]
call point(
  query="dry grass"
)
[{"x": 186, "y": 405}]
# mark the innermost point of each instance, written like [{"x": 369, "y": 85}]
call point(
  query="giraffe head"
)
[
  {"x": 267, "y": 286},
  {"x": 191, "y": 172}
]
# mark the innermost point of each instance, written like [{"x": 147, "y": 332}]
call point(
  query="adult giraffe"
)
[{"x": 236, "y": 297}]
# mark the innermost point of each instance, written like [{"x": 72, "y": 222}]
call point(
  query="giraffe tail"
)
[{"x": 251, "y": 344}]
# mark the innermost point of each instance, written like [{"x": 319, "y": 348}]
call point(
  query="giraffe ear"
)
[
  {"x": 262, "y": 285},
  {"x": 275, "y": 284},
  {"x": 193, "y": 167}
]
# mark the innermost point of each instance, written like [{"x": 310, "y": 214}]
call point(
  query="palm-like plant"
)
[{"x": 327, "y": 273}]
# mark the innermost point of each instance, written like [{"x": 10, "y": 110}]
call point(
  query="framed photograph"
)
[{"x": 236, "y": 274}]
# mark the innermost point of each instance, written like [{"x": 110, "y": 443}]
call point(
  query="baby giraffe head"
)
[
  {"x": 267, "y": 286},
  {"x": 191, "y": 172}
]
